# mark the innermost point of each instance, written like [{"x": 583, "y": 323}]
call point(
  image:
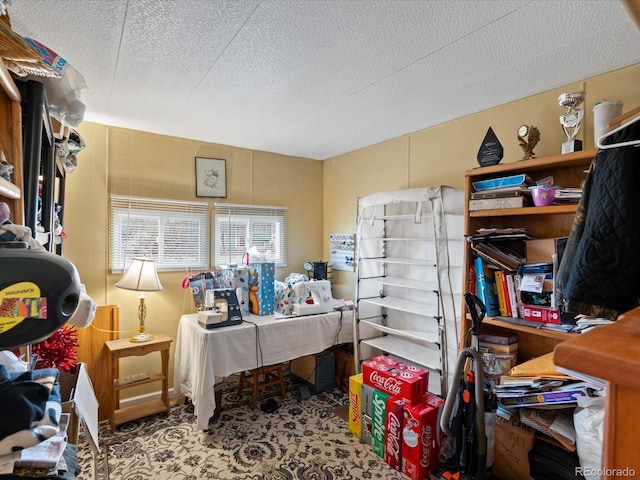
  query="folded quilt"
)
[{"x": 32, "y": 408}]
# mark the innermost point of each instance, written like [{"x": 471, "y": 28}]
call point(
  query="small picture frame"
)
[{"x": 211, "y": 177}]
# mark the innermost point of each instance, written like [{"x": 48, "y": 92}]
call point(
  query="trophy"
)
[
  {"x": 571, "y": 120},
  {"x": 528, "y": 138},
  {"x": 491, "y": 151}
]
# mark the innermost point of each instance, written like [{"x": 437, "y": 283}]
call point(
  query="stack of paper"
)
[{"x": 540, "y": 392}]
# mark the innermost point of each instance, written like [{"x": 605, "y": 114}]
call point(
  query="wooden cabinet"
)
[
  {"x": 568, "y": 170},
  {"x": 11, "y": 144}
]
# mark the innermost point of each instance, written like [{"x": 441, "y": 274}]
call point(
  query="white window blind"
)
[
  {"x": 239, "y": 227},
  {"x": 174, "y": 233}
]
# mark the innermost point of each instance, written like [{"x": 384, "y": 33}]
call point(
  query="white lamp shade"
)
[{"x": 141, "y": 276}]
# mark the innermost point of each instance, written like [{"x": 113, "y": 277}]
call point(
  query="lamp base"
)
[{"x": 141, "y": 337}]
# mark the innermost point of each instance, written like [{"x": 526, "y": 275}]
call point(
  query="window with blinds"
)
[
  {"x": 174, "y": 233},
  {"x": 240, "y": 227}
]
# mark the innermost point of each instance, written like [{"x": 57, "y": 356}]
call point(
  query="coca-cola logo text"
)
[
  {"x": 426, "y": 438},
  {"x": 388, "y": 384},
  {"x": 393, "y": 436}
]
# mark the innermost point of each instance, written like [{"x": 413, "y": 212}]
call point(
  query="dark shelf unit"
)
[{"x": 39, "y": 160}]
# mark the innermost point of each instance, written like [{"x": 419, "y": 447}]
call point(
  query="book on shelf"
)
[
  {"x": 495, "y": 234},
  {"x": 514, "y": 299},
  {"x": 502, "y": 293},
  {"x": 498, "y": 338},
  {"x": 485, "y": 287},
  {"x": 501, "y": 193},
  {"x": 499, "y": 254},
  {"x": 537, "y": 267},
  {"x": 558, "y": 396},
  {"x": 497, "y": 348}
]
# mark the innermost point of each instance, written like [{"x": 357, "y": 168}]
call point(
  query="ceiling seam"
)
[
  {"x": 115, "y": 70},
  {"x": 226, "y": 47}
]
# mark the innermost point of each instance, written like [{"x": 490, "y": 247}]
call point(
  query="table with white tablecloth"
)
[{"x": 204, "y": 356}]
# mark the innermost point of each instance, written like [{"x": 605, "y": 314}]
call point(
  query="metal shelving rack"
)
[{"x": 409, "y": 260}]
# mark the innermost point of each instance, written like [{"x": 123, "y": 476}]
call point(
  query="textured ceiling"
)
[{"x": 318, "y": 78}]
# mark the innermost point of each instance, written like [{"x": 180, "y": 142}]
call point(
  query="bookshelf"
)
[
  {"x": 11, "y": 143},
  {"x": 568, "y": 170}
]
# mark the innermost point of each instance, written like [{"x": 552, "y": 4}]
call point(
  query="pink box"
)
[
  {"x": 421, "y": 437},
  {"x": 393, "y": 437},
  {"x": 537, "y": 313},
  {"x": 407, "y": 381}
]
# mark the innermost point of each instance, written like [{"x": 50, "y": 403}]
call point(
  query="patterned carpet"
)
[{"x": 303, "y": 439}]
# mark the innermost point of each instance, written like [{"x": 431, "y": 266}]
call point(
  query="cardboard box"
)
[
  {"x": 407, "y": 381},
  {"x": 542, "y": 249},
  {"x": 367, "y": 408},
  {"x": 78, "y": 399},
  {"x": 498, "y": 203},
  {"x": 355, "y": 405},
  {"x": 512, "y": 444},
  {"x": 421, "y": 437},
  {"x": 393, "y": 436}
]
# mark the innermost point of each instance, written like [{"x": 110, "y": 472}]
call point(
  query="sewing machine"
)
[
  {"x": 221, "y": 309},
  {"x": 312, "y": 297}
]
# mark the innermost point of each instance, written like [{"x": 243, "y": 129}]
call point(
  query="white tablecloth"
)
[{"x": 203, "y": 354}]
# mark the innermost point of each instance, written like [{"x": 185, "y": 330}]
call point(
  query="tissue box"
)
[{"x": 262, "y": 289}]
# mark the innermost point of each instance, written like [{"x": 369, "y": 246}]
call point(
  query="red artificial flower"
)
[{"x": 57, "y": 351}]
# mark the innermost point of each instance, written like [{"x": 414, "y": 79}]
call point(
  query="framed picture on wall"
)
[{"x": 211, "y": 177}]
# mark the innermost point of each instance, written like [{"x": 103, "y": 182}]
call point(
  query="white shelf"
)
[
  {"x": 405, "y": 216},
  {"x": 431, "y": 338},
  {"x": 396, "y": 239},
  {"x": 403, "y": 282},
  {"x": 403, "y": 309},
  {"x": 415, "y": 353},
  {"x": 403, "y": 305},
  {"x": 400, "y": 261}
]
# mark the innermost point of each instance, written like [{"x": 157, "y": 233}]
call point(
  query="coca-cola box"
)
[
  {"x": 393, "y": 435},
  {"x": 421, "y": 437},
  {"x": 396, "y": 379},
  {"x": 378, "y": 421}
]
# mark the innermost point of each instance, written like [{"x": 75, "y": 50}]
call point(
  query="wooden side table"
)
[{"x": 125, "y": 348}]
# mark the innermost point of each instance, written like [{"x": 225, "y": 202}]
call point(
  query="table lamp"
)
[{"x": 142, "y": 277}]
